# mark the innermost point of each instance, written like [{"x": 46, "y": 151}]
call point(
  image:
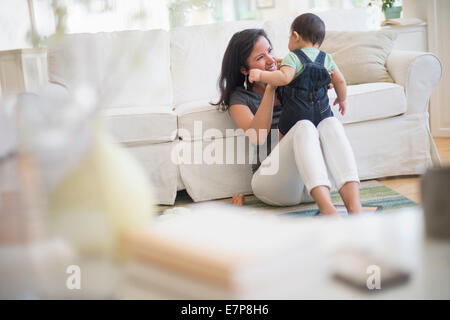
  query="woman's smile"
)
[{"x": 271, "y": 67}]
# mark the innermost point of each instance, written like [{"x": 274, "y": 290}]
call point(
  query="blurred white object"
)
[
  {"x": 7, "y": 134},
  {"x": 36, "y": 270},
  {"x": 218, "y": 251},
  {"x": 57, "y": 128},
  {"x": 397, "y": 238}
]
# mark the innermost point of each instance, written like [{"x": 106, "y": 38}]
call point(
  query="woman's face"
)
[{"x": 261, "y": 56}]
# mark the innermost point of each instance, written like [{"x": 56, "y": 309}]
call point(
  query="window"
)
[{"x": 79, "y": 16}]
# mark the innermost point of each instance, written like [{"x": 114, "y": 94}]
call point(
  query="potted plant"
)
[{"x": 389, "y": 8}]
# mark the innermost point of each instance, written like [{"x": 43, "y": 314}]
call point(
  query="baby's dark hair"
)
[{"x": 310, "y": 27}]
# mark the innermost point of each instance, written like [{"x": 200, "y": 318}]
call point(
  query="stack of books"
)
[{"x": 223, "y": 252}]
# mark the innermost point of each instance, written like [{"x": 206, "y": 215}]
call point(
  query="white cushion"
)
[
  {"x": 361, "y": 55},
  {"x": 208, "y": 118},
  {"x": 196, "y": 58},
  {"x": 128, "y": 68},
  {"x": 204, "y": 181},
  {"x": 371, "y": 101},
  {"x": 140, "y": 124}
]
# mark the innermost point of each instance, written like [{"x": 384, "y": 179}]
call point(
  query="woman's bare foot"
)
[
  {"x": 321, "y": 194},
  {"x": 238, "y": 200},
  {"x": 350, "y": 194}
]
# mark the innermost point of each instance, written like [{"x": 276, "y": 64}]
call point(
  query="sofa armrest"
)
[{"x": 419, "y": 73}]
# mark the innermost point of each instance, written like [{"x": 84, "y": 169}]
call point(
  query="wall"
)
[
  {"x": 285, "y": 8},
  {"x": 415, "y": 8},
  {"x": 14, "y": 24},
  {"x": 438, "y": 16}
]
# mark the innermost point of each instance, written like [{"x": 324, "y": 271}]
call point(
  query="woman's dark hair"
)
[
  {"x": 310, "y": 27},
  {"x": 238, "y": 50}
]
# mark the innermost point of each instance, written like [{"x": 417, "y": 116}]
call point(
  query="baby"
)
[{"x": 304, "y": 76}]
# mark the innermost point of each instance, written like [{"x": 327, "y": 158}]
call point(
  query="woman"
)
[{"x": 255, "y": 108}]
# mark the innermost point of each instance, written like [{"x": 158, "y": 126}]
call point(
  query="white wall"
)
[
  {"x": 415, "y": 8},
  {"x": 438, "y": 35},
  {"x": 14, "y": 24},
  {"x": 285, "y": 8}
]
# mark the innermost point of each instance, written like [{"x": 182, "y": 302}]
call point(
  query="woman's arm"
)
[{"x": 262, "y": 120}]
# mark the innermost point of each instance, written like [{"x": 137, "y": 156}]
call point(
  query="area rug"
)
[{"x": 375, "y": 198}]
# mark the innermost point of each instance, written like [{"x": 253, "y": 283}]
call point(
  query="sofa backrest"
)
[
  {"x": 167, "y": 68},
  {"x": 196, "y": 58},
  {"x": 197, "y": 51},
  {"x": 129, "y": 68}
]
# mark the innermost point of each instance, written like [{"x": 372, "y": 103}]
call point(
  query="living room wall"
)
[{"x": 14, "y": 24}]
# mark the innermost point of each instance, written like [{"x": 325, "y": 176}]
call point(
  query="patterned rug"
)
[{"x": 375, "y": 198}]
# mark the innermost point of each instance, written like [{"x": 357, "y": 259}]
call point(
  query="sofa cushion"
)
[
  {"x": 196, "y": 58},
  {"x": 195, "y": 118},
  {"x": 209, "y": 179},
  {"x": 371, "y": 101},
  {"x": 365, "y": 102},
  {"x": 361, "y": 56},
  {"x": 129, "y": 68},
  {"x": 142, "y": 124}
]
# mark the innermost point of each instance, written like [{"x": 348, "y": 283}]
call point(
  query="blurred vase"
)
[
  {"x": 32, "y": 264},
  {"x": 104, "y": 195},
  {"x": 94, "y": 189}
]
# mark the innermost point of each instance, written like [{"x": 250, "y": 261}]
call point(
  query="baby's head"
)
[{"x": 306, "y": 30}]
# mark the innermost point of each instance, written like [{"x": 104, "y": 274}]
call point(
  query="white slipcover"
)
[{"x": 196, "y": 58}]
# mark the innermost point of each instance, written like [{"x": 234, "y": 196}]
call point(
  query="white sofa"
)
[{"x": 151, "y": 107}]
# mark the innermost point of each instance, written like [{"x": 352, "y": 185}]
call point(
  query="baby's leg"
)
[{"x": 341, "y": 162}]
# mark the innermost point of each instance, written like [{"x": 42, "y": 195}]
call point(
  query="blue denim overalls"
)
[{"x": 305, "y": 97}]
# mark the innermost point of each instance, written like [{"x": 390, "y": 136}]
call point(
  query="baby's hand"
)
[
  {"x": 279, "y": 60},
  {"x": 254, "y": 75},
  {"x": 342, "y": 105}
]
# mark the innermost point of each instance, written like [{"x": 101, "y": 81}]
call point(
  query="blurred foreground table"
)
[{"x": 396, "y": 238}]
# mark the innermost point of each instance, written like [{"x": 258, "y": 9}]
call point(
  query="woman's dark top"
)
[{"x": 253, "y": 100}]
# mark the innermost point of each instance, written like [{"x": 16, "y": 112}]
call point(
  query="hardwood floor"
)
[{"x": 410, "y": 186}]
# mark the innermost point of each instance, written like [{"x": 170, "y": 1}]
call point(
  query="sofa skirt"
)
[{"x": 161, "y": 171}]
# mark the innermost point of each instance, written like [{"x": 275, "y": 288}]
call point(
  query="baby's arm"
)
[
  {"x": 340, "y": 86},
  {"x": 276, "y": 78}
]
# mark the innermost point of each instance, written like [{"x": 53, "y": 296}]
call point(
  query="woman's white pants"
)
[{"x": 299, "y": 162}]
